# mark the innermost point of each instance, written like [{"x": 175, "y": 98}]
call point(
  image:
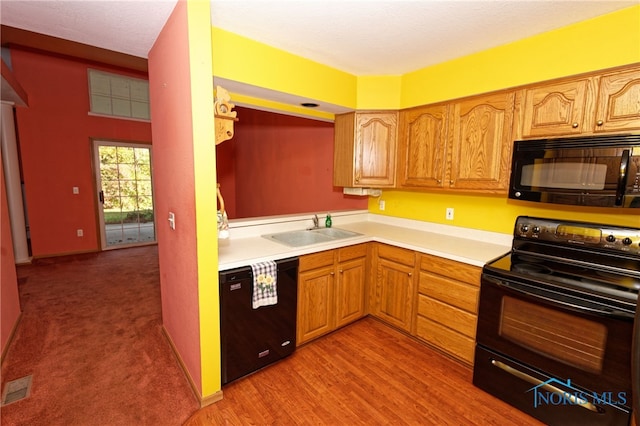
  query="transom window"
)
[{"x": 118, "y": 95}]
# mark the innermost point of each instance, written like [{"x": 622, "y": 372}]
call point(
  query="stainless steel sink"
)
[
  {"x": 335, "y": 233},
  {"x": 311, "y": 236}
]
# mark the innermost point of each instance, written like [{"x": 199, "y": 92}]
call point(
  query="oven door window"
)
[{"x": 566, "y": 338}]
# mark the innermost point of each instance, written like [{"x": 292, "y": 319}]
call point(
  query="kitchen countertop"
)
[{"x": 465, "y": 245}]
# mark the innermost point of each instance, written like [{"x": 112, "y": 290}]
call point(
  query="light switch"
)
[
  {"x": 76, "y": 190},
  {"x": 172, "y": 220}
]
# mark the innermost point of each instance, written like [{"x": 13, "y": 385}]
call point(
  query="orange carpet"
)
[{"x": 91, "y": 336}]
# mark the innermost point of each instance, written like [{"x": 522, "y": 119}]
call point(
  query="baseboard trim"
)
[
  {"x": 10, "y": 339},
  {"x": 63, "y": 257},
  {"x": 209, "y": 399}
]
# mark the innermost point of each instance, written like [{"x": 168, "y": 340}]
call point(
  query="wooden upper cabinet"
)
[
  {"x": 606, "y": 103},
  {"x": 559, "y": 109},
  {"x": 618, "y": 107},
  {"x": 481, "y": 132},
  {"x": 422, "y": 145},
  {"x": 365, "y": 149}
]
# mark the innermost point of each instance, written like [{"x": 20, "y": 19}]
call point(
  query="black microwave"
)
[{"x": 601, "y": 171}]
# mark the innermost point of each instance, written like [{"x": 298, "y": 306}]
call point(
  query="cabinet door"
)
[
  {"x": 559, "y": 109},
  {"x": 619, "y": 102},
  {"x": 482, "y": 136},
  {"x": 350, "y": 291},
  {"x": 394, "y": 293},
  {"x": 343, "y": 149},
  {"x": 422, "y": 147},
  {"x": 315, "y": 303},
  {"x": 375, "y": 149}
]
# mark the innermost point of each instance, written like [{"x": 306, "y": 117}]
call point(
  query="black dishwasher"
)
[{"x": 253, "y": 338}]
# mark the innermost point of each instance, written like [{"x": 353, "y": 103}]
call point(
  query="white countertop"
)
[{"x": 474, "y": 247}]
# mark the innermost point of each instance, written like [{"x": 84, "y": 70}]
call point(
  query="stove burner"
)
[{"x": 531, "y": 268}]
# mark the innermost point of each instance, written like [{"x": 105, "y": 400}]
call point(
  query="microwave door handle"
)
[{"x": 622, "y": 177}]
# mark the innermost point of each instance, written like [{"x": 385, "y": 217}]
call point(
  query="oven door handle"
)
[
  {"x": 573, "y": 306},
  {"x": 547, "y": 386}
]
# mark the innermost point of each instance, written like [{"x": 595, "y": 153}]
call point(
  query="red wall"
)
[
  {"x": 54, "y": 136},
  {"x": 279, "y": 164}
]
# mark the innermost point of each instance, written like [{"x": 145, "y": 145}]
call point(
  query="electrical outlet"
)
[
  {"x": 80, "y": 232},
  {"x": 449, "y": 213},
  {"x": 381, "y": 204},
  {"x": 172, "y": 220}
]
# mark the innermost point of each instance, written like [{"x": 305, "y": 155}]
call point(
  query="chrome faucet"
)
[{"x": 316, "y": 224}]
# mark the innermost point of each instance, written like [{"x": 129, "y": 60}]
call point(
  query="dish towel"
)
[{"x": 265, "y": 292}]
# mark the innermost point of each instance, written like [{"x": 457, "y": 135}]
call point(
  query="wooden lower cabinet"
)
[
  {"x": 392, "y": 298},
  {"x": 429, "y": 297},
  {"x": 331, "y": 290},
  {"x": 447, "y": 306}
]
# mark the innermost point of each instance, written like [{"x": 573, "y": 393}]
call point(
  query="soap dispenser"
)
[{"x": 327, "y": 221}]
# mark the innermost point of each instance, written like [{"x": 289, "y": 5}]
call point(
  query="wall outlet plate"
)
[{"x": 449, "y": 213}]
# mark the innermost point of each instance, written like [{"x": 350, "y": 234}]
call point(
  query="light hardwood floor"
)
[{"x": 364, "y": 374}]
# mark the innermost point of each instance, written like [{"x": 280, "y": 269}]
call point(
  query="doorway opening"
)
[{"x": 125, "y": 193}]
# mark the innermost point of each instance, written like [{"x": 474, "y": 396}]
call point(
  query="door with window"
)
[{"x": 125, "y": 193}]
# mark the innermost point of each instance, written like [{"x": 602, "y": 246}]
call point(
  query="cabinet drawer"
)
[
  {"x": 447, "y": 315},
  {"x": 454, "y": 343},
  {"x": 352, "y": 252},
  {"x": 450, "y": 268},
  {"x": 316, "y": 260},
  {"x": 395, "y": 254},
  {"x": 455, "y": 293}
]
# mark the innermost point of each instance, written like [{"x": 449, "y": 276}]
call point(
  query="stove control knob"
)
[
  {"x": 611, "y": 238},
  {"x": 536, "y": 229},
  {"x": 524, "y": 228},
  {"x": 627, "y": 241}
]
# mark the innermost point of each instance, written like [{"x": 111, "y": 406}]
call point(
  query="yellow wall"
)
[
  {"x": 603, "y": 42},
  {"x": 247, "y": 61},
  {"x": 198, "y": 13},
  {"x": 490, "y": 213}
]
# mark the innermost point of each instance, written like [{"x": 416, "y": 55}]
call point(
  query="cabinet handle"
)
[
  {"x": 332, "y": 273},
  {"x": 600, "y": 122},
  {"x": 575, "y": 125},
  {"x": 341, "y": 271},
  {"x": 410, "y": 274},
  {"x": 439, "y": 180},
  {"x": 451, "y": 182}
]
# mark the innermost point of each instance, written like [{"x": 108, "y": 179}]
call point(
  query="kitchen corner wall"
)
[
  {"x": 598, "y": 43},
  {"x": 602, "y": 42}
]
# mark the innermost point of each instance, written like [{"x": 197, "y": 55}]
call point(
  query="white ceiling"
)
[
  {"x": 374, "y": 37},
  {"x": 377, "y": 37}
]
